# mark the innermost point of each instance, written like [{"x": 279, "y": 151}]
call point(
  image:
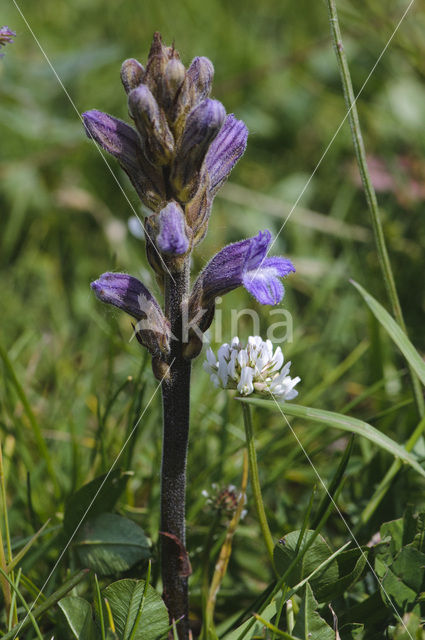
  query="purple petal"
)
[
  {"x": 244, "y": 263},
  {"x": 225, "y": 151},
  {"x": 264, "y": 285},
  {"x": 125, "y": 292},
  {"x": 283, "y": 266},
  {"x": 200, "y": 75},
  {"x": 172, "y": 236},
  {"x": 224, "y": 271},
  {"x": 113, "y": 135},
  {"x": 257, "y": 249},
  {"x": 122, "y": 141},
  {"x": 202, "y": 125}
]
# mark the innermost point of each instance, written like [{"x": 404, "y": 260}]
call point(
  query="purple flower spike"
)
[
  {"x": 123, "y": 142},
  {"x": 245, "y": 263},
  {"x": 172, "y": 236},
  {"x": 225, "y": 151},
  {"x": 6, "y": 37}
]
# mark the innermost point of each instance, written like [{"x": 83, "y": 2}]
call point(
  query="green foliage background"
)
[{"x": 63, "y": 221}]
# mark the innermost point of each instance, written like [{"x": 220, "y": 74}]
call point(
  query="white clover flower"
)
[{"x": 254, "y": 368}]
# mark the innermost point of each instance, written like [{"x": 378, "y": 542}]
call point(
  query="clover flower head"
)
[
  {"x": 224, "y": 499},
  {"x": 250, "y": 369}
]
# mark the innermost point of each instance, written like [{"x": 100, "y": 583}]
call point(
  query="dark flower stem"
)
[
  {"x": 372, "y": 201},
  {"x": 175, "y": 399}
]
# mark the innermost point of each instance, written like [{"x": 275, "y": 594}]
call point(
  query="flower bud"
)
[
  {"x": 172, "y": 237},
  {"x": 122, "y": 141},
  {"x": 172, "y": 80},
  {"x": 202, "y": 125},
  {"x": 225, "y": 151},
  {"x": 132, "y": 74},
  {"x": 197, "y": 211},
  {"x": 158, "y": 57},
  {"x": 152, "y": 125},
  {"x": 200, "y": 75},
  {"x": 129, "y": 294},
  {"x": 196, "y": 87}
]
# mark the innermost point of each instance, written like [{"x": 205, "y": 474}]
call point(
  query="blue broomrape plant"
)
[{"x": 178, "y": 152}]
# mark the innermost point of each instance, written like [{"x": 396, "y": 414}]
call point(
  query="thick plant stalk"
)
[
  {"x": 372, "y": 202},
  {"x": 175, "y": 399}
]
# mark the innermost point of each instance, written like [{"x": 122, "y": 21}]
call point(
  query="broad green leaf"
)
[
  {"x": 285, "y": 552},
  {"x": 125, "y": 599},
  {"x": 419, "y": 537},
  {"x": 394, "y": 530},
  {"x": 97, "y": 496},
  {"x": 78, "y": 614},
  {"x": 403, "y": 579},
  {"x": 110, "y": 544},
  {"x": 351, "y": 565},
  {"x": 309, "y": 624},
  {"x": 339, "y": 421},
  {"x": 369, "y": 612},
  {"x": 395, "y": 332}
]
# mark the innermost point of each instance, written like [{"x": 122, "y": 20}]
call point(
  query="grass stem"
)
[
  {"x": 255, "y": 481},
  {"x": 370, "y": 193}
]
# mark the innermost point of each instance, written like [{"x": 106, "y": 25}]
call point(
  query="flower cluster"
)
[
  {"x": 253, "y": 368},
  {"x": 6, "y": 37},
  {"x": 180, "y": 151},
  {"x": 177, "y": 155},
  {"x": 224, "y": 500}
]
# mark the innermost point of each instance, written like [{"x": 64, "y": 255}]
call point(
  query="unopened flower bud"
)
[
  {"x": 152, "y": 125},
  {"x": 202, "y": 125},
  {"x": 122, "y": 141},
  {"x": 196, "y": 87},
  {"x": 158, "y": 58},
  {"x": 200, "y": 75},
  {"x": 172, "y": 237},
  {"x": 129, "y": 294},
  {"x": 173, "y": 79},
  {"x": 132, "y": 74}
]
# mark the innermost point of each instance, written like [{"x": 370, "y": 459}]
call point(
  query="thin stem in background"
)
[
  {"x": 387, "y": 480},
  {"x": 38, "y": 435},
  {"x": 223, "y": 560},
  {"x": 7, "y": 596},
  {"x": 255, "y": 481},
  {"x": 176, "y": 405},
  {"x": 372, "y": 202}
]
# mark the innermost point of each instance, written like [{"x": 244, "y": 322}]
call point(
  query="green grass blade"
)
[
  {"x": 46, "y": 605},
  {"x": 12, "y": 564},
  {"x": 38, "y": 436},
  {"x": 396, "y": 334},
  {"x": 345, "y": 423},
  {"x": 336, "y": 481}
]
